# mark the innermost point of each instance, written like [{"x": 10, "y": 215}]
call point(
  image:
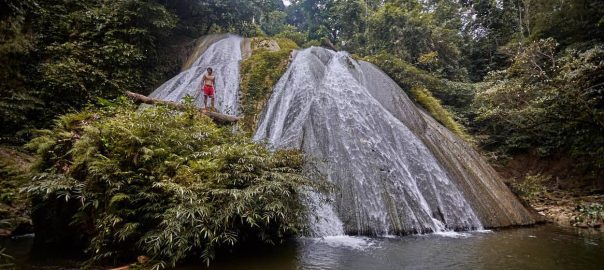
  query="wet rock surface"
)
[{"x": 397, "y": 170}]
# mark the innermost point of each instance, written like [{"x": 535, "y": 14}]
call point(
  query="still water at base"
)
[{"x": 540, "y": 247}]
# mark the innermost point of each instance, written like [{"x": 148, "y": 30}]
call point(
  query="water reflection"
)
[{"x": 542, "y": 247}]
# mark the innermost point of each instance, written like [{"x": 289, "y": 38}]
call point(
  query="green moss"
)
[
  {"x": 446, "y": 101},
  {"x": 455, "y": 94},
  {"x": 259, "y": 74},
  {"x": 436, "y": 109}
]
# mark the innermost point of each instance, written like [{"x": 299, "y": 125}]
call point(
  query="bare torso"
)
[{"x": 208, "y": 80}]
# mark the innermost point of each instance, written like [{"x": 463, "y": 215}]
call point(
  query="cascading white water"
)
[
  {"x": 398, "y": 171},
  {"x": 389, "y": 180},
  {"x": 223, "y": 56}
]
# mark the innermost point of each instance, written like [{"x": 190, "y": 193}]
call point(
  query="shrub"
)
[
  {"x": 549, "y": 101},
  {"x": 290, "y": 32},
  {"x": 165, "y": 184},
  {"x": 14, "y": 205},
  {"x": 531, "y": 187}
]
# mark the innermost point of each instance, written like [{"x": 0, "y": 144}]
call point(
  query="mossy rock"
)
[
  {"x": 259, "y": 73},
  {"x": 448, "y": 102},
  {"x": 436, "y": 109}
]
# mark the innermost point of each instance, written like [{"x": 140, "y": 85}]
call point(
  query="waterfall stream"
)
[
  {"x": 396, "y": 170},
  {"x": 376, "y": 148},
  {"x": 223, "y": 56}
]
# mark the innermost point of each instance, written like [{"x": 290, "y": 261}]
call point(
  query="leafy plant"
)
[
  {"x": 590, "y": 214},
  {"x": 532, "y": 187},
  {"x": 166, "y": 185},
  {"x": 547, "y": 101}
]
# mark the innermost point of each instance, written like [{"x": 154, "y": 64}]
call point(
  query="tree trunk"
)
[{"x": 217, "y": 117}]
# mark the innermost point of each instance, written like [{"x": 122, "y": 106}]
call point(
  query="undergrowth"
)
[
  {"x": 163, "y": 184},
  {"x": 589, "y": 214},
  {"x": 532, "y": 187},
  {"x": 14, "y": 205}
]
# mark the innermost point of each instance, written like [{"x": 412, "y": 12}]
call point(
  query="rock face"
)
[{"x": 398, "y": 171}]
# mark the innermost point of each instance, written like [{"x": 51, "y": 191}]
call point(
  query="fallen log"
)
[{"x": 217, "y": 117}]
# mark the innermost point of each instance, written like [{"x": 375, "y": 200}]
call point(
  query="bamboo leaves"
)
[{"x": 168, "y": 185}]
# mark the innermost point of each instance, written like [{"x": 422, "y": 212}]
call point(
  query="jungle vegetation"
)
[
  {"x": 513, "y": 76},
  {"x": 164, "y": 184}
]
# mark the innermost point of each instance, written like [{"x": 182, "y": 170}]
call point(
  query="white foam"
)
[
  {"x": 346, "y": 241},
  {"x": 365, "y": 140},
  {"x": 452, "y": 234}
]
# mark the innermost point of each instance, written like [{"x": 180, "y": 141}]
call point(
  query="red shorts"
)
[{"x": 208, "y": 90}]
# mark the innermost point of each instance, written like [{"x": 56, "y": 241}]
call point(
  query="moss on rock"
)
[
  {"x": 445, "y": 100},
  {"x": 436, "y": 109},
  {"x": 259, "y": 73}
]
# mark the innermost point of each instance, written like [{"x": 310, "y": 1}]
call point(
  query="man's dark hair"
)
[{"x": 210, "y": 69}]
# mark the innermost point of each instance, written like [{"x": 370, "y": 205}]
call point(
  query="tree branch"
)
[{"x": 217, "y": 117}]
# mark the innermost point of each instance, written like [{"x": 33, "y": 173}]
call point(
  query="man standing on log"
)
[{"x": 208, "y": 81}]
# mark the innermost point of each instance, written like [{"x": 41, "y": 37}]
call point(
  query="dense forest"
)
[{"x": 522, "y": 80}]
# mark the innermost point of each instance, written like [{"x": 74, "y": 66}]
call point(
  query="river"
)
[{"x": 540, "y": 247}]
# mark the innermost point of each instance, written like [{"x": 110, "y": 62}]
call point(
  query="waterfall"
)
[
  {"x": 396, "y": 169},
  {"x": 223, "y": 56}
]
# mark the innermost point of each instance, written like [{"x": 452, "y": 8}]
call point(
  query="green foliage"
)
[
  {"x": 547, "y": 101},
  {"x": 17, "y": 104},
  {"x": 433, "y": 106},
  {"x": 14, "y": 170},
  {"x": 259, "y": 74},
  {"x": 168, "y": 185},
  {"x": 455, "y": 96},
  {"x": 569, "y": 22},
  {"x": 96, "y": 48},
  {"x": 63, "y": 54},
  {"x": 411, "y": 34},
  {"x": 589, "y": 214},
  {"x": 274, "y": 22},
  {"x": 291, "y": 33},
  {"x": 404, "y": 29},
  {"x": 245, "y": 17},
  {"x": 532, "y": 187}
]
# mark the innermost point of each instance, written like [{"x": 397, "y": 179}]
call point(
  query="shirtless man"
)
[{"x": 208, "y": 80}]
